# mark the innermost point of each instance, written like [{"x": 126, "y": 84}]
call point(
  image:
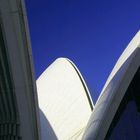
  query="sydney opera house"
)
[{"x": 58, "y": 104}]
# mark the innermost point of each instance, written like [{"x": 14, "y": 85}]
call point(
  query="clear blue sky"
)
[{"x": 92, "y": 33}]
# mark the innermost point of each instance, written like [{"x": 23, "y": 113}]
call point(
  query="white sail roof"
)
[
  {"x": 64, "y": 100},
  {"x": 113, "y": 91}
]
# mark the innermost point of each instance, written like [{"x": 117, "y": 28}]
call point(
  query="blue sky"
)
[{"x": 92, "y": 33}]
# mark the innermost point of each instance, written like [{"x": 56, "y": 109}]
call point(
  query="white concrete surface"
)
[
  {"x": 113, "y": 91},
  {"x": 62, "y": 95}
]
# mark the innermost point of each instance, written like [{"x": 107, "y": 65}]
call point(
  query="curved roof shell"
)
[
  {"x": 114, "y": 91},
  {"x": 64, "y": 100}
]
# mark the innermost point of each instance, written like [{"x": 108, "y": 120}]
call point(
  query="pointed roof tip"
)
[
  {"x": 66, "y": 61},
  {"x": 63, "y": 59}
]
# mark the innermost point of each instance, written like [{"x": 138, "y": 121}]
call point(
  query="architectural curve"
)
[
  {"x": 18, "y": 99},
  {"x": 64, "y": 99},
  {"x": 111, "y": 105},
  {"x": 83, "y": 83}
]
